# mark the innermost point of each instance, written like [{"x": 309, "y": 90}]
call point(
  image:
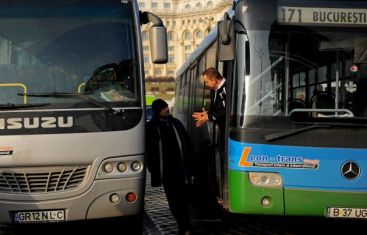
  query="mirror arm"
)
[
  {"x": 225, "y": 38},
  {"x": 146, "y": 17}
]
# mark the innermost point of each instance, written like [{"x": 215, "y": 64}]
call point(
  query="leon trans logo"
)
[{"x": 249, "y": 159}]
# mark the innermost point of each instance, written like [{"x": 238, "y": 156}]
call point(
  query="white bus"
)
[{"x": 72, "y": 108}]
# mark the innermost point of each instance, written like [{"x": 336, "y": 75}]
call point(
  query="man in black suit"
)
[
  {"x": 217, "y": 113},
  {"x": 217, "y": 110}
]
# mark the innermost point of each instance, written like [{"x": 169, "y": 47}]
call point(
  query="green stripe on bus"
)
[{"x": 246, "y": 198}]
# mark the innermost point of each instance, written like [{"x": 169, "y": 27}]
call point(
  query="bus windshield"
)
[
  {"x": 303, "y": 72},
  {"x": 86, "y": 47}
]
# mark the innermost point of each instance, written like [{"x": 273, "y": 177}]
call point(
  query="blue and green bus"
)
[{"x": 296, "y": 124}]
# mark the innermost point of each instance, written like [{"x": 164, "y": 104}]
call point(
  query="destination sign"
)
[{"x": 322, "y": 16}]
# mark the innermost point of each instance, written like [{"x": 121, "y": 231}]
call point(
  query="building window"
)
[
  {"x": 174, "y": 23},
  {"x": 167, "y": 5},
  {"x": 198, "y": 5},
  {"x": 187, "y": 7},
  {"x": 157, "y": 72},
  {"x": 171, "y": 72},
  {"x": 146, "y": 72},
  {"x": 171, "y": 48},
  {"x": 187, "y": 47},
  {"x": 187, "y": 55},
  {"x": 198, "y": 34},
  {"x": 146, "y": 59},
  {"x": 187, "y": 36},
  {"x": 171, "y": 36},
  {"x": 171, "y": 58},
  {"x": 141, "y": 4},
  {"x": 146, "y": 48},
  {"x": 145, "y": 36},
  {"x": 154, "y": 4},
  {"x": 210, "y": 4}
]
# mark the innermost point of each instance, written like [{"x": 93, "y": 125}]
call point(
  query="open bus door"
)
[{"x": 226, "y": 48}]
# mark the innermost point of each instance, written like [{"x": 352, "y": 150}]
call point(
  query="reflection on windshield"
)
[
  {"x": 68, "y": 48},
  {"x": 112, "y": 82}
]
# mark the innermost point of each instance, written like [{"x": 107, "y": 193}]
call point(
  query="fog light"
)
[
  {"x": 264, "y": 179},
  {"x": 136, "y": 166},
  {"x": 131, "y": 197},
  {"x": 266, "y": 201},
  {"x": 108, "y": 167},
  {"x": 115, "y": 198},
  {"x": 122, "y": 166}
]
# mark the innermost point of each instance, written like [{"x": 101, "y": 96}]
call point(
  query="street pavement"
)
[
  {"x": 206, "y": 220},
  {"x": 158, "y": 220}
]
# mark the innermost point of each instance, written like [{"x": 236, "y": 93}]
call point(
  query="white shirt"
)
[{"x": 220, "y": 85}]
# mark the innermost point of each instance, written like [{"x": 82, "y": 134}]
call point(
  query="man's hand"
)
[{"x": 201, "y": 118}]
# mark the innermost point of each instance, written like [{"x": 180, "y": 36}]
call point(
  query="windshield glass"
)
[
  {"x": 68, "y": 47},
  {"x": 306, "y": 73}
]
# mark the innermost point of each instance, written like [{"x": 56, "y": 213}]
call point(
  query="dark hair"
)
[{"x": 212, "y": 73}]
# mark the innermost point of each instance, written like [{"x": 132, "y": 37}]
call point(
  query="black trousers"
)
[{"x": 177, "y": 196}]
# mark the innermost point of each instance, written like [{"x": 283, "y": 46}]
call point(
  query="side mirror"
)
[
  {"x": 158, "y": 44},
  {"x": 226, "y": 39},
  {"x": 158, "y": 37}
]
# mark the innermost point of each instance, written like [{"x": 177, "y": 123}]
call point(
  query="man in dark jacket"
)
[{"x": 168, "y": 150}]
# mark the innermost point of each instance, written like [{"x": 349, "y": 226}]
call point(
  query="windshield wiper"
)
[
  {"x": 286, "y": 133},
  {"x": 82, "y": 96},
  {"x": 16, "y": 106}
]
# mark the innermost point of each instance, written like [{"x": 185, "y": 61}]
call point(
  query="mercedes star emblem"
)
[{"x": 350, "y": 170}]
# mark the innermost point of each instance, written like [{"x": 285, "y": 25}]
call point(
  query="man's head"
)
[
  {"x": 160, "y": 108},
  {"x": 212, "y": 78}
]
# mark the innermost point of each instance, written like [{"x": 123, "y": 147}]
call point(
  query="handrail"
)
[
  {"x": 17, "y": 85},
  {"x": 80, "y": 86},
  {"x": 323, "y": 110}
]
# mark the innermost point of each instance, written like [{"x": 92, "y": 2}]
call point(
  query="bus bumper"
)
[
  {"x": 93, "y": 204},
  {"x": 246, "y": 198}
]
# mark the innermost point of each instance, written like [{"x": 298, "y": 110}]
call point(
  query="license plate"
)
[
  {"x": 43, "y": 216},
  {"x": 341, "y": 212}
]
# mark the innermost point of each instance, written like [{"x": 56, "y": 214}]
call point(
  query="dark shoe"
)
[{"x": 186, "y": 232}]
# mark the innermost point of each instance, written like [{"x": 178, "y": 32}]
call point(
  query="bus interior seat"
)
[
  {"x": 297, "y": 104},
  {"x": 323, "y": 100}
]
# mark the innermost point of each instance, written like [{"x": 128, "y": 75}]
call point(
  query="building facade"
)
[{"x": 187, "y": 23}]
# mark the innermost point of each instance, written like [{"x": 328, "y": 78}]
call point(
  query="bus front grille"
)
[{"x": 42, "y": 179}]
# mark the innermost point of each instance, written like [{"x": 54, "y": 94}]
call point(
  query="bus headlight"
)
[
  {"x": 121, "y": 167},
  {"x": 108, "y": 167},
  {"x": 265, "y": 179},
  {"x": 136, "y": 166}
]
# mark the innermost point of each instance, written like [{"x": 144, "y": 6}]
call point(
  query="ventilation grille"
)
[{"x": 42, "y": 179}]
